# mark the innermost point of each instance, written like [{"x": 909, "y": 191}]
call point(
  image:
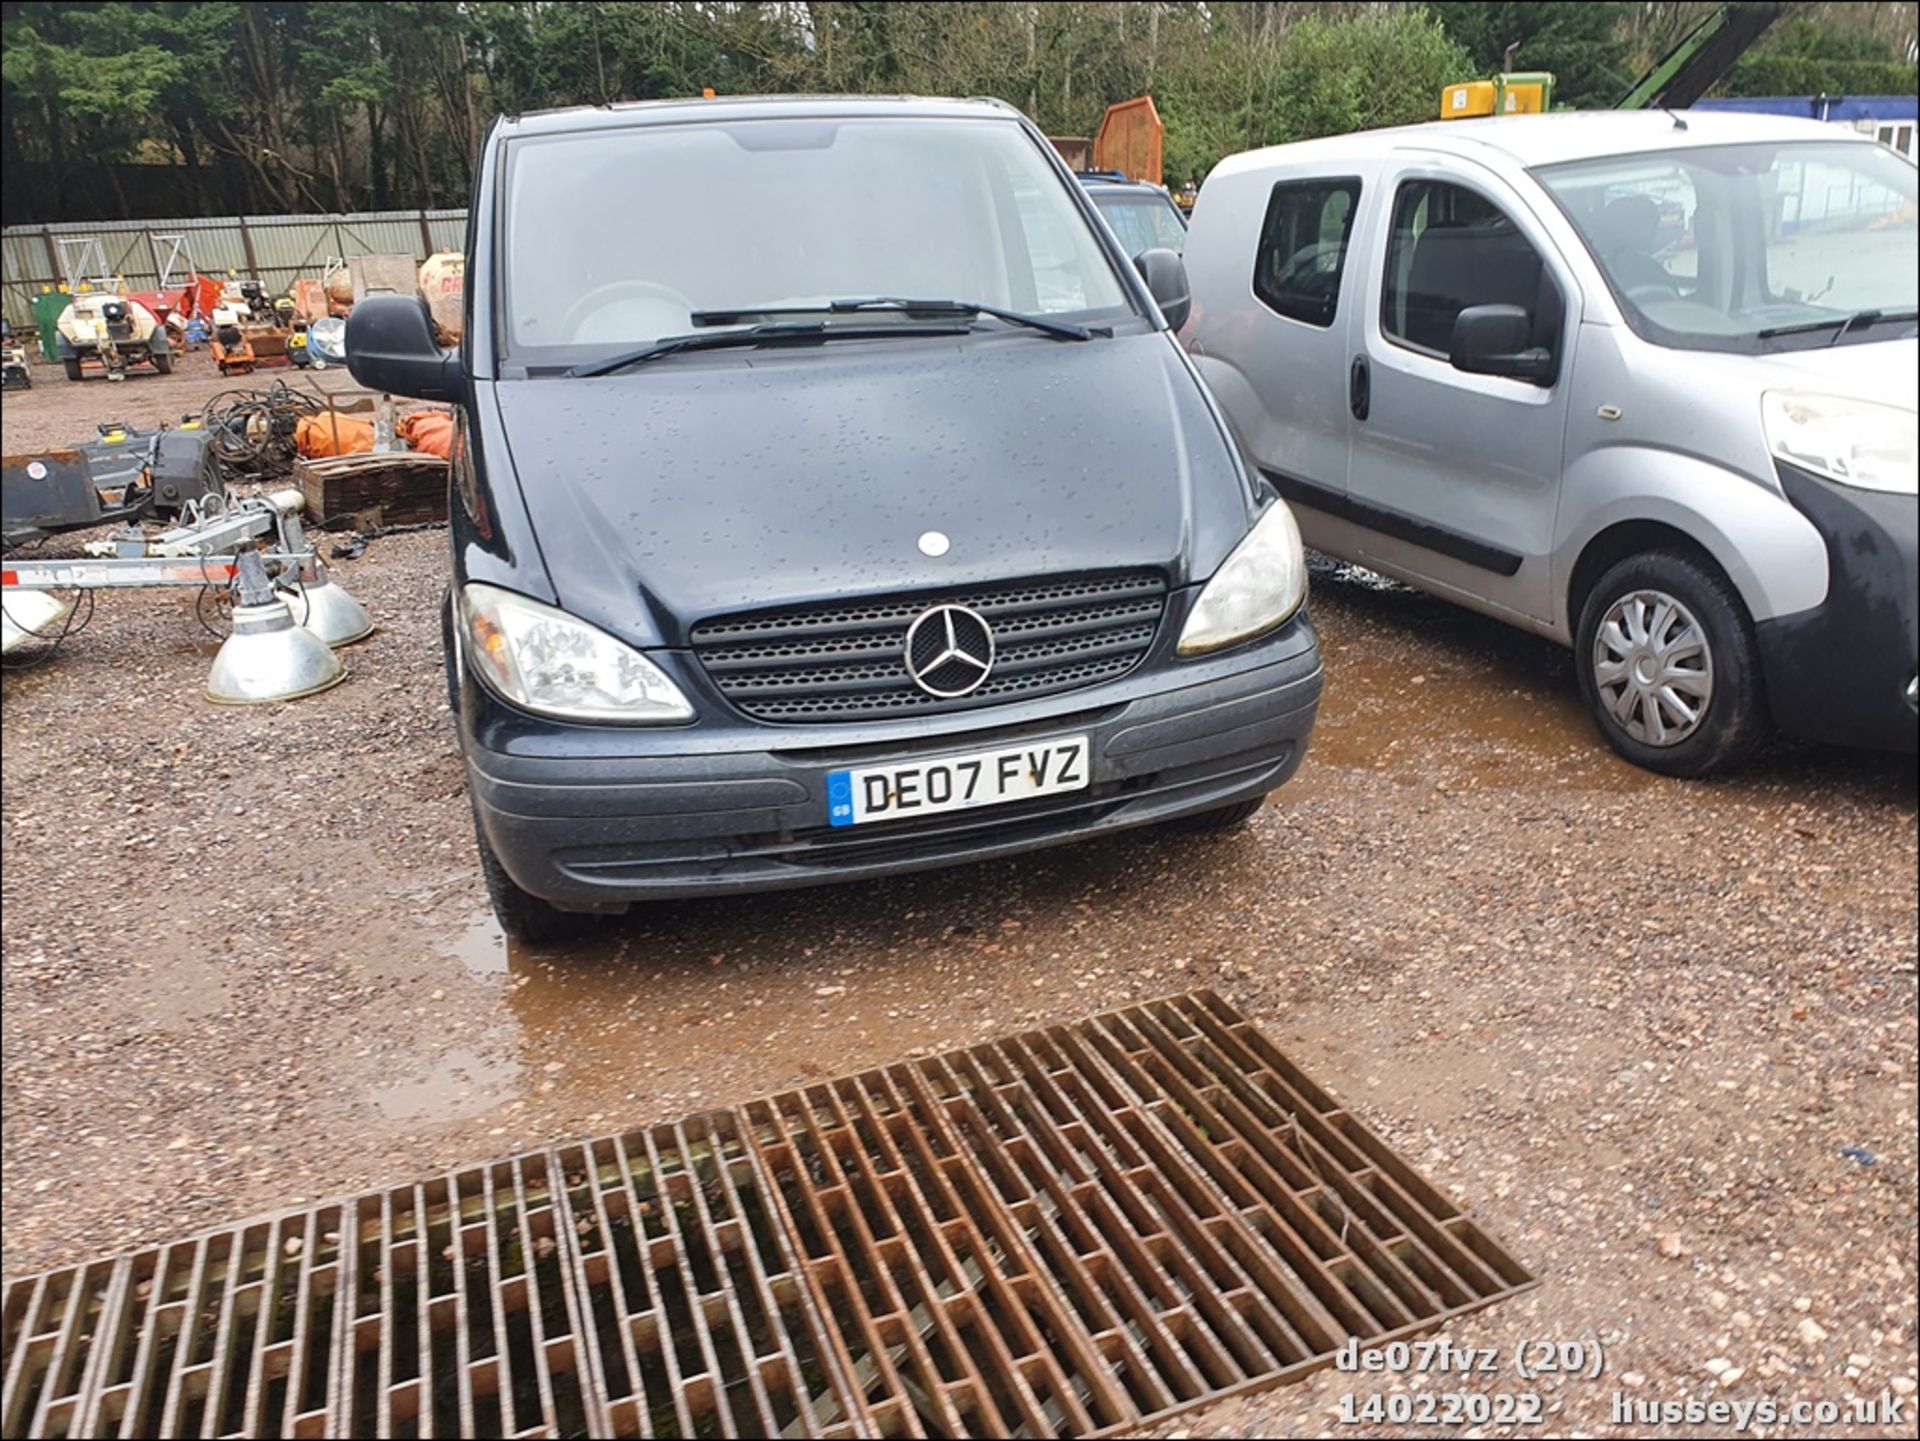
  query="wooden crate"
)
[{"x": 402, "y": 487}]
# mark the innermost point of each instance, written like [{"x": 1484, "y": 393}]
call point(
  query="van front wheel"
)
[
  {"x": 1668, "y": 665},
  {"x": 524, "y": 917}
]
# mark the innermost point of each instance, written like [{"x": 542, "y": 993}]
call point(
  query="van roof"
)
[
  {"x": 1114, "y": 180},
  {"x": 748, "y": 107},
  {"x": 1533, "y": 140}
]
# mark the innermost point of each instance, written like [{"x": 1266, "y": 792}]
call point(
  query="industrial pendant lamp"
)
[
  {"x": 30, "y": 615},
  {"x": 268, "y": 657},
  {"x": 328, "y": 611}
]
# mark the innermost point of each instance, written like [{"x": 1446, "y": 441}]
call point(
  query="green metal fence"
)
[{"x": 279, "y": 249}]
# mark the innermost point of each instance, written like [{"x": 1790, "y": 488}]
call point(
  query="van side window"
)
[
  {"x": 1303, "y": 248},
  {"x": 1451, "y": 248}
]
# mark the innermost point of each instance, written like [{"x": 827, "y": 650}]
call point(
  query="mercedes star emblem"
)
[{"x": 949, "y": 651}]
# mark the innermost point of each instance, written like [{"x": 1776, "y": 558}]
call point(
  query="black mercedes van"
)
[{"x": 831, "y": 498}]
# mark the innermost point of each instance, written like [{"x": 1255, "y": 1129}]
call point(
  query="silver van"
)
[{"x": 1643, "y": 382}]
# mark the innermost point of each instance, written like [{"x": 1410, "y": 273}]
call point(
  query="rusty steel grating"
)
[
  {"x": 1070, "y": 1232},
  {"x": 437, "y": 1309}
]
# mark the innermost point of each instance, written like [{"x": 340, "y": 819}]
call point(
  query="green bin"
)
[{"x": 46, "y": 315}]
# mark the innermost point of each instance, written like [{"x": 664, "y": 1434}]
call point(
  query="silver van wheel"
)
[{"x": 1653, "y": 667}]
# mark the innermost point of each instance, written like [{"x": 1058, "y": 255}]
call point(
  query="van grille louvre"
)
[{"x": 842, "y": 660}]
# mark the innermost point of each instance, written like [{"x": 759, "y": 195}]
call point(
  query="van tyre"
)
[
  {"x": 1222, "y": 818},
  {"x": 449, "y": 651},
  {"x": 523, "y": 916},
  {"x": 1668, "y": 665}
]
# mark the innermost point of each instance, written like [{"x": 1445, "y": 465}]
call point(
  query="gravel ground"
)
[
  {"x": 1660, "y": 1035},
  {"x": 57, "y": 412}
]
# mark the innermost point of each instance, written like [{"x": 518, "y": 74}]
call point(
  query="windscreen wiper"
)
[
  {"x": 773, "y": 332},
  {"x": 1058, "y": 329},
  {"x": 1867, "y": 319},
  {"x": 1841, "y": 325}
]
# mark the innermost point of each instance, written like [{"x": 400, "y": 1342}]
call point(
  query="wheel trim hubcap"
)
[{"x": 1653, "y": 667}]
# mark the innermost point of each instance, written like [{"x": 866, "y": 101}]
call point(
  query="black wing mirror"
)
[
  {"x": 1166, "y": 277},
  {"x": 390, "y": 348},
  {"x": 1495, "y": 340}
]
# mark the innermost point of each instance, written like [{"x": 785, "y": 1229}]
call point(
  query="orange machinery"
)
[
  {"x": 183, "y": 293},
  {"x": 173, "y": 307},
  {"x": 232, "y": 351},
  {"x": 1129, "y": 140}
]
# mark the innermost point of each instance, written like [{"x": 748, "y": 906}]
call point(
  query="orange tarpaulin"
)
[
  {"x": 331, "y": 433},
  {"x": 428, "y": 431}
]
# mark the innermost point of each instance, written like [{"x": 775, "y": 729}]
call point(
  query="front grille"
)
[{"x": 847, "y": 661}]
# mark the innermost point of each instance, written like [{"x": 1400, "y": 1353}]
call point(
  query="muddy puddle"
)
[
  {"x": 686, "y": 1005},
  {"x": 462, "y": 1084},
  {"x": 643, "y": 1002},
  {"x": 755, "y": 994},
  {"x": 1428, "y": 692},
  {"x": 748, "y": 994}
]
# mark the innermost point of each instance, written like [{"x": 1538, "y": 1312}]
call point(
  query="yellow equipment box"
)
[
  {"x": 1526, "y": 92},
  {"x": 1473, "y": 97}
]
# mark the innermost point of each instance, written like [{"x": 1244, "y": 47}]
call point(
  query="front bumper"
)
[
  {"x": 732, "y": 807},
  {"x": 1843, "y": 672}
]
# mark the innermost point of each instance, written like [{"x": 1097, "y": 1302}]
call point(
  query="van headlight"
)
[
  {"x": 1257, "y": 588},
  {"x": 544, "y": 660},
  {"x": 1852, "y": 442}
]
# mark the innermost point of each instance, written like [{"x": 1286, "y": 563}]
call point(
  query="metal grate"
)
[
  {"x": 846, "y": 661},
  {"x": 1076, "y": 1231},
  {"x": 436, "y": 1309}
]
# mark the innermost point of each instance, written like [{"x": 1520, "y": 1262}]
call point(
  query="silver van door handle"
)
[{"x": 1359, "y": 388}]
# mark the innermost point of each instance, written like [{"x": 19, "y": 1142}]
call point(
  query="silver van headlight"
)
[
  {"x": 544, "y": 660},
  {"x": 1853, "y": 442},
  {"x": 1258, "y": 587}
]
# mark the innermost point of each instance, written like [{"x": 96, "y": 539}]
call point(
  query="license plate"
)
[{"x": 957, "y": 783}]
